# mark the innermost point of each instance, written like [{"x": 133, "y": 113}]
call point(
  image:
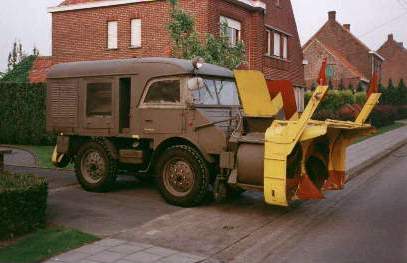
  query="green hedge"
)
[
  {"x": 23, "y": 114},
  {"x": 23, "y": 204}
]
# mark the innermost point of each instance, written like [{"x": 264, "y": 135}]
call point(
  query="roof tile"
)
[{"x": 39, "y": 70}]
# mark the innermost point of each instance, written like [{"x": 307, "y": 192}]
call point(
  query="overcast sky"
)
[{"x": 371, "y": 20}]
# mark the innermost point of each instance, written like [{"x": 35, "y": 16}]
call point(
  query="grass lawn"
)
[
  {"x": 44, "y": 154},
  {"x": 43, "y": 244}
]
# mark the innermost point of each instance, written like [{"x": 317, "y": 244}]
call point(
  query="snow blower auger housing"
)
[{"x": 302, "y": 157}]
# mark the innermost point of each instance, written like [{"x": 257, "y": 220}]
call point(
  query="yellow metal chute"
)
[{"x": 255, "y": 97}]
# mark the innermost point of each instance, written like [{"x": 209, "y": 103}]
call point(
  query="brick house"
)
[
  {"x": 350, "y": 61},
  {"x": 110, "y": 29},
  {"x": 395, "y": 65}
]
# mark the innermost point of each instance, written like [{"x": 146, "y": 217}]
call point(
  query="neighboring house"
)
[
  {"x": 395, "y": 65},
  {"x": 110, "y": 29},
  {"x": 39, "y": 69},
  {"x": 350, "y": 61}
]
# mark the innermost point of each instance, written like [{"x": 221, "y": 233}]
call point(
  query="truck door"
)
[{"x": 162, "y": 107}]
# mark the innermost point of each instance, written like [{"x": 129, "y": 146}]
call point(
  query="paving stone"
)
[
  {"x": 106, "y": 257},
  {"x": 110, "y": 242},
  {"x": 180, "y": 258},
  {"x": 91, "y": 249},
  {"x": 143, "y": 257},
  {"x": 127, "y": 248},
  {"x": 88, "y": 261},
  {"x": 124, "y": 261},
  {"x": 71, "y": 256},
  {"x": 161, "y": 251}
]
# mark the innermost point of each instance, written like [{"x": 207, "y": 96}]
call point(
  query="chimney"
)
[
  {"x": 347, "y": 27},
  {"x": 391, "y": 37},
  {"x": 332, "y": 15}
]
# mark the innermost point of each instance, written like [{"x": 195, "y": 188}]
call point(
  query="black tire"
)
[
  {"x": 195, "y": 179},
  {"x": 85, "y": 167}
]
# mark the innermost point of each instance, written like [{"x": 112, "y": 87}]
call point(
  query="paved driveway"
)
[{"x": 130, "y": 204}]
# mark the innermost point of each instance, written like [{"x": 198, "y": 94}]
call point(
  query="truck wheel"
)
[
  {"x": 95, "y": 167},
  {"x": 182, "y": 176}
]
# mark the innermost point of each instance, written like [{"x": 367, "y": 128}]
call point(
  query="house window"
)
[
  {"x": 164, "y": 92},
  {"x": 277, "y": 44},
  {"x": 136, "y": 33},
  {"x": 233, "y": 29},
  {"x": 99, "y": 99},
  {"x": 112, "y": 35}
]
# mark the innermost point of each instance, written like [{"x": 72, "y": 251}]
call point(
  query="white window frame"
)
[
  {"x": 112, "y": 34},
  {"x": 234, "y": 25},
  {"x": 136, "y": 26},
  {"x": 276, "y": 44},
  {"x": 166, "y": 105},
  {"x": 285, "y": 47}
]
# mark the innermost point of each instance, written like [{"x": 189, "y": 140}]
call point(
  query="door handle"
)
[{"x": 148, "y": 120}]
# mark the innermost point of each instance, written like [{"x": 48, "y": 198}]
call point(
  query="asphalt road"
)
[{"x": 366, "y": 222}]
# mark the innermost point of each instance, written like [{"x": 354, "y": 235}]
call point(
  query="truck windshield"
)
[{"x": 209, "y": 91}]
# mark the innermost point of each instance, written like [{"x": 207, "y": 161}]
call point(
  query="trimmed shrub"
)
[
  {"x": 23, "y": 203},
  {"x": 23, "y": 114},
  {"x": 360, "y": 98},
  {"x": 383, "y": 115},
  {"x": 402, "y": 112}
]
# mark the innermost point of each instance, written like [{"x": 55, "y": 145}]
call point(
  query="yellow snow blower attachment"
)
[{"x": 302, "y": 157}]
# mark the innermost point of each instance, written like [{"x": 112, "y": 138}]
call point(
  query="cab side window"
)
[
  {"x": 99, "y": 99},
  {"x": 164, "y": 92}
]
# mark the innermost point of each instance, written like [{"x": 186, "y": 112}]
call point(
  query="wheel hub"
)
[
  {"x": 178, "y": 177},
  {"x": 93, "y": 167}
]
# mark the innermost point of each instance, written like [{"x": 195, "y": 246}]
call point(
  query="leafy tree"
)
[
  {"x": 16, "y": 55},
  {"x": 36, "y": 52},
  {"x": 187, "y": 42},
  {"x": 20, "y": 71}
]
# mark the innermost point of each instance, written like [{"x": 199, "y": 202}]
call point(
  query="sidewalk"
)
[
  {"x": 119, "y": 251},
  {"x": 19, "y": 157},
  {"x": 360, "y": 156},
  {"x": 367, "y": 152}
]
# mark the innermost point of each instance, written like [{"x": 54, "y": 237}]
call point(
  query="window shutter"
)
[
  {"x": 136, "y": 33},
  {"x": 112, "y": 35},
  {"x": 277, "y": 45}
]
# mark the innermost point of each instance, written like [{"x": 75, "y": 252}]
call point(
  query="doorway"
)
[{"x": 124, "y": 104}]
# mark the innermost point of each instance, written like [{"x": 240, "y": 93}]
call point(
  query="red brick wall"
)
[
  {"x": 314, "y": 53},
  {"x": 335, "y": 36},
  {"x": 283, "y": 18},
  {"x": 395, "y": 65},
  {"x": 81, "y": 34}
]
